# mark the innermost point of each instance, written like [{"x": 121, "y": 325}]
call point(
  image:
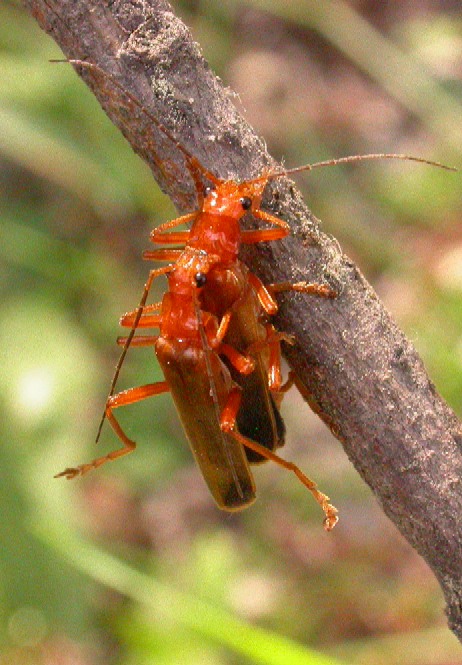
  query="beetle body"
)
[{"x": 221, "y": 460}]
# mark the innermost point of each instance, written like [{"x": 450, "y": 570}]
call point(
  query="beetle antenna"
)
[{"x": 350, "y": 159}]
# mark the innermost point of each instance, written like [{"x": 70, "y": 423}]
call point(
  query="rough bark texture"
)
[{"x": 361, "y": 375}]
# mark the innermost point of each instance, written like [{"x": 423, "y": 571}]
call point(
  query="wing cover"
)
[{"x": 221, "y": 459}]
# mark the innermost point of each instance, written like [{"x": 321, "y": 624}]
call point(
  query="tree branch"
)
[{"x": 359, "y": 372}]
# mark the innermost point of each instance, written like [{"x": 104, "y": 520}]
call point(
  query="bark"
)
[{"x": 358, "y": 371}]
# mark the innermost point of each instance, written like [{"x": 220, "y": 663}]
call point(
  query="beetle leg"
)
[
  {"x": 251, "y": 237},
  {"x": 123, "y": 398},
  {"x": 266, "y": 235},
  {"x": 322, "y": 290},
  {"x": 160, "y": 234},
  {"x": 244, "y": 364},
  {"x": 139, "y": 340},
  {"x": 274, "y": 362},
  {"x": 163, "y": 254},
  {"x": 228, "y": 425},
  {"x": 264, "y": 296},
  {"x": 272, "y": 341},
  {"x": 223, "y": 327},
  {"x": 126, "y": 320}
]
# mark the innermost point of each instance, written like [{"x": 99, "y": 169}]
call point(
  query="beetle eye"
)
[
  {"x": 246, "y": 203},
  {"x": 208, "y": 189},
  {"x": 200, "y": 278}
]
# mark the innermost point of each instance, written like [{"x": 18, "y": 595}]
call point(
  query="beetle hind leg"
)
[
  {"x": 123, "y": 398},
  {"x": 228, "y": 424}
]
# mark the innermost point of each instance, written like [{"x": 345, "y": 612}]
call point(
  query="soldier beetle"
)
[{"x": 219, "y": 355}]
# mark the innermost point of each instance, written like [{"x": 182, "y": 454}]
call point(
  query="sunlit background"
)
[{"x": 76, "y": 207}]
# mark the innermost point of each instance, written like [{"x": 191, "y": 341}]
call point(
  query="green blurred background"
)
[{"x": 76, "y": 207}]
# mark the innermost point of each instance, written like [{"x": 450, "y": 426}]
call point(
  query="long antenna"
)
[
  {"x": 349, "y": 160},
  {"x": 193, "y": 164}
]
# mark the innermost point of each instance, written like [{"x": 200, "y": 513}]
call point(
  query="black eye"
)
[
  {"x": 200, "y": 278},
  {"x": 208, "y": 189},
  {"x": 246, "y": 203}
]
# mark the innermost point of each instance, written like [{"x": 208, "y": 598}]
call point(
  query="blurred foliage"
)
[{"x": 76, "y": 207}]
